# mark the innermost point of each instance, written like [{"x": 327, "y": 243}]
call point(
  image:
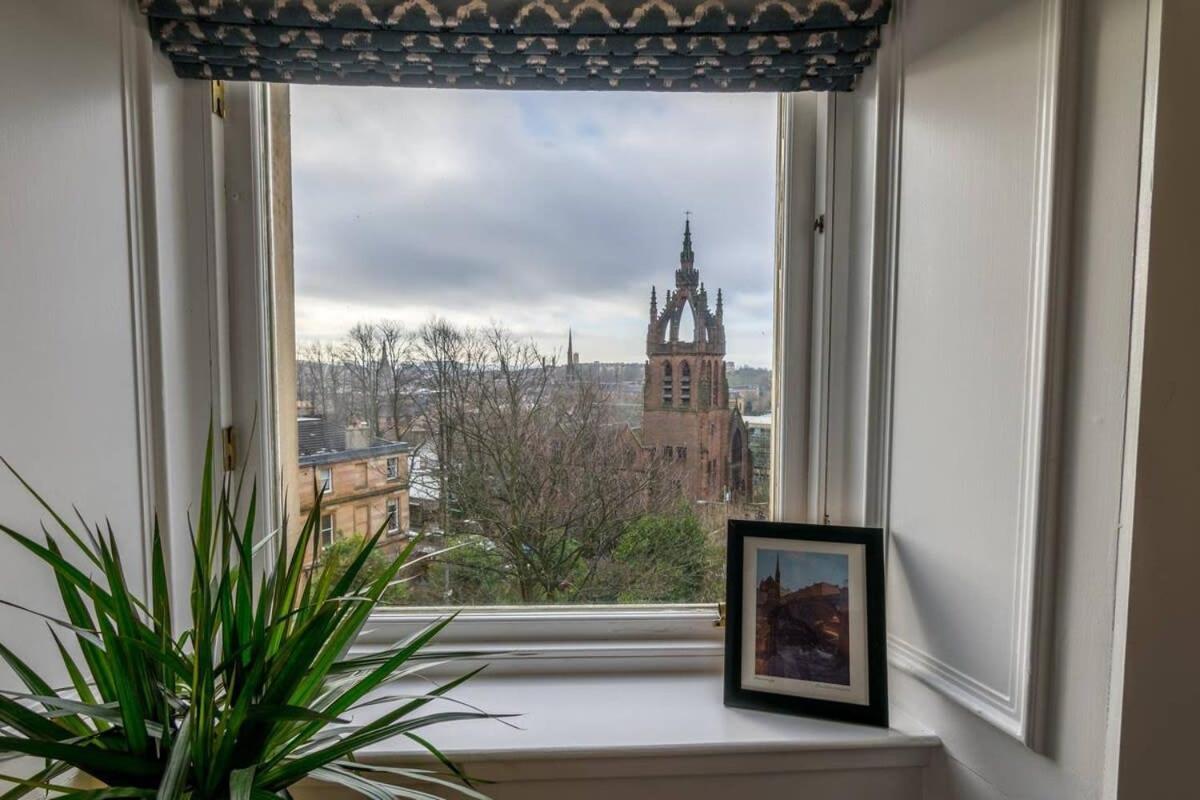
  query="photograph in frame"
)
[{"x": 805, "y": 630}]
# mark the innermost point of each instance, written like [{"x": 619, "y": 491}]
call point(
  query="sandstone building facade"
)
[
  {"x": 686, "y": 412},
  {"x": 366, "y": 483}
]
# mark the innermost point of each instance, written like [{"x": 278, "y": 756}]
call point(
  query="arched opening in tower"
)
[
  {"x": 668, "y": 388},
  {"x": 687, "y": 323},
  {"x": 685, "y": 384}
]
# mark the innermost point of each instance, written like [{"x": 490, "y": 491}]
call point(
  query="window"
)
[
  {"x": 393, "y": 516},
  {"x": 489, "y": 316},
  {"x": 325, "y": 479},
  {"x": 326, "y": 530}
]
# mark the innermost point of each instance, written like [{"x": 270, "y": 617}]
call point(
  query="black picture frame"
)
[{"x": 875, "y": 710}]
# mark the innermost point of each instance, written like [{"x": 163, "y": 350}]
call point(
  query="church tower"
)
[{"x": 685, "y": 411}]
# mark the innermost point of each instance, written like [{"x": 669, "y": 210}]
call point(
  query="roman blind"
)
[{"x": 658, "y": 45}]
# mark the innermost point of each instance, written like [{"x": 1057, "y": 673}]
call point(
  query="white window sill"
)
[
  {"x": 556, "y": 639},
  {"x": 642, "y": 725}
]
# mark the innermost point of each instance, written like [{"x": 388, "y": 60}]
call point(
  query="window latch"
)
[
  {"x": 228, "y": 449},
  {"x": 720, "y": 621},
  {"x": 819, "y": 224},
  {"x": 217, "y": 91}
]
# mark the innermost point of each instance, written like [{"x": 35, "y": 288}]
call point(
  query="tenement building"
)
[
  {"x": 686, "y": 414},
  {"x": 365, "y": 481}
]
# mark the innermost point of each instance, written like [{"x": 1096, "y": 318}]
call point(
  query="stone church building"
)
[{"x": 686, "y": 414}]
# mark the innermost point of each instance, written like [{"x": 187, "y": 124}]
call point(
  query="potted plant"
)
[{"x": 254, "y": 695}]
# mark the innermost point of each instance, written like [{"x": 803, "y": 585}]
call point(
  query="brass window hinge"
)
[
  {"x": 228, "y": 449},
  {"x": 218, "y": 98}
]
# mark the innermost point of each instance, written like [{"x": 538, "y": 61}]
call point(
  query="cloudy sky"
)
[{"x": 538, "y": 210}]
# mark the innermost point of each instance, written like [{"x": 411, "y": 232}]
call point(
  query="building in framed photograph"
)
[{"x": 805, "y": 620}]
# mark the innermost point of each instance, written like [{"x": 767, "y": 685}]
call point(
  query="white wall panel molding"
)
[
  {"x": 1009, "y": 697},
  {"x": 73, "y": 282},
  {"x": 889, "y": 92},
  {"x": 142, "y": 245},
  {"x": 171, "y": 241}
]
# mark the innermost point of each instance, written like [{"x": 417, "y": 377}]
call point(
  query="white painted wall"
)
[
  {"x": 69, "y": 411},
  {"x": 973, "y": 76},
  {"x": 96, "y": 219}
]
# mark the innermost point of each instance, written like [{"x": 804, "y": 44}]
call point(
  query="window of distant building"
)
[
  {"x": 393, "y": 516},
  {"x": 325, "y": 479},
  {"x": 685, "y": 384},
  {"x": 326, "y": 530},
  {"x": 668, "y": 388},
  {"x": 393, "y": 468}
]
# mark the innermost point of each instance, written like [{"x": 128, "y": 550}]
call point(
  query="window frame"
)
[
  {"x": 323, "y": 533},
  {"x": 391, "y": 510},
  {"x": 392, "y": 474},
  {"x": 616, "y": 637},
  {"x": 325, "y": 484}
]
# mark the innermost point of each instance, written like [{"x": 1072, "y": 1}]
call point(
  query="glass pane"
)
[{"x": 545, "y": 320}]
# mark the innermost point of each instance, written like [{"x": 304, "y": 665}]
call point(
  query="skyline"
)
[
  {"x": 798, "y": 570},
  {"x": 402, "y": 213}
]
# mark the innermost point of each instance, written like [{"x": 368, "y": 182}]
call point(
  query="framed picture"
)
[{"x": 805, "y": 621}]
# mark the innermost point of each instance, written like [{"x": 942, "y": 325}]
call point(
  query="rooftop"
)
[{"x": 323, "y": 442}]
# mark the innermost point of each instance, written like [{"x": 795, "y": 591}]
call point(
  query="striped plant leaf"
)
[{"x": 255, "y": 694}]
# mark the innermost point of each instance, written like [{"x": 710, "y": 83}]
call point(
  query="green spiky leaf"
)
[{"x": 255, "y": 694}]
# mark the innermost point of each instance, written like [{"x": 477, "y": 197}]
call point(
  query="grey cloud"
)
[{"x": 413, "y": 198}]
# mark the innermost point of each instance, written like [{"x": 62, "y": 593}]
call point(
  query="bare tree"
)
[
  {"x": 322, "y": 380},
  {"x": 540, "y": 468},
  {"x": 441, "y": 351},
  {"x": 361, "y": 356},
  {"x": 400, "y": 383},
  {"x": 528, "y": 462}
]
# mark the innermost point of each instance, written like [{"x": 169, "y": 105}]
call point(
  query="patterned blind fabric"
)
[{"x": 656, "y": 45}]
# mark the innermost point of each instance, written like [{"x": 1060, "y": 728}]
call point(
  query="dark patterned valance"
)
[{"x": 659, "y": 45}]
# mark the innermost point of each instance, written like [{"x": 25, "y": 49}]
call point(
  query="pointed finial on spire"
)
[
  {"x": 570, "y": 350},
  {"x": 653, "y": 304},
  {"x": 687, "y": 258},
  {"x": 720, "y": 304}
]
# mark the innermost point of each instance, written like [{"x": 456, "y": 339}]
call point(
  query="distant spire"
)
[
  {"x": 687, "y": 258},
  {"x": 720, "y": 305},
  {"x": 570, "y": 351},
  {"x": 653, "y": 304}
]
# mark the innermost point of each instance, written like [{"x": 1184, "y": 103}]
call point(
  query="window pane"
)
[{"x": 545, "y": 319}]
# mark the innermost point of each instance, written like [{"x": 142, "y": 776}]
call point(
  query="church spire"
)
[
  {"x": 687, "y": 258},
  {"x": 570, "y": 351},
  {"x": 720, "y": 306},
  {"x": 653, "y": 304}
]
